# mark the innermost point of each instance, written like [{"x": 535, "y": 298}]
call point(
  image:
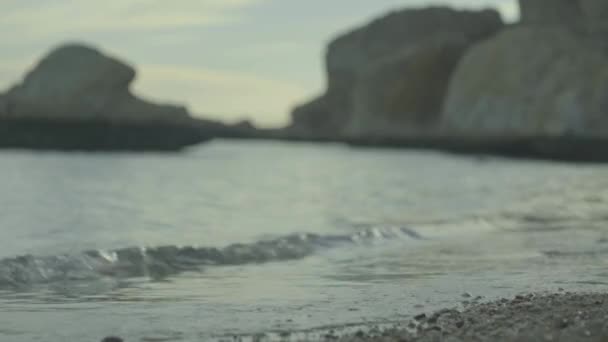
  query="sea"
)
[{"x": 255, "y": 240}]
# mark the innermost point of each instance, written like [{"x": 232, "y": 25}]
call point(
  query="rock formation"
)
[
  {"x": 397, "y": 44},
  {"x": 461, "y": 81},
  {"x": 78, "y": 98},
  {"x": 585, "y": 16},
  {"x": 595, "y": 13},
  {"x": 79, "y": 82},
  {"x": 401, "y": 95},
  {"x": 533, "y": 80},
  {"x": 3, "y": 105},
  {"x": 550, "y": 12}
]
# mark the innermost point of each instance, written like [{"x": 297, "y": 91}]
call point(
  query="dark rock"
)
[
  {"x": 420, "y": 317},
  {"x": 562, "y": 323},
  {"x": 550, "y": 12},
  {"x": 77, "y": 98},
  {"x": 399, "y": 43},
  {"x": 112, "y": 339}
]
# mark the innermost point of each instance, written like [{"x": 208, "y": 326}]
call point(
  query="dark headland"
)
[{"x": 77, "y": 98}]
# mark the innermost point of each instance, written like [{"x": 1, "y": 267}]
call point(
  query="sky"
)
[{"x": 223, "y": 59}]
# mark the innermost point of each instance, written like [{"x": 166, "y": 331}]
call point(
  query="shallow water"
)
[{"x": 253, "y": 237}]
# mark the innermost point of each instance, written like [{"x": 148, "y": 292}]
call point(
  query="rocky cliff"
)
[
  {"x": 541, "y": 78},
  {"x": 461, "y": 81},
  {"x": 557, "y": 87},
  {"x": 550, "y": 12},
  {"x": 372, "y": 71},
  {"x": 595, "y": 13}
]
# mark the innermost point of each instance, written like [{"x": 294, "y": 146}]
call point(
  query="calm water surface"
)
[{"x": 252, "y": 237}]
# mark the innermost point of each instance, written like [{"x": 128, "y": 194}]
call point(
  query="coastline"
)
[
  {"x": 557, "y": 316},
  {"x": 98, "y": 135},
  {"x": 533, "y": 317},
  {"x": 572, "y": 149}
]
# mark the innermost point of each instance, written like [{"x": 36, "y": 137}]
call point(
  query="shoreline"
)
[
  {"x": 571, "y": 149},
  {"x": 554, "y": 316},
  {"x": 108, "y": 135},
  {"x": 567, "y": 316}
]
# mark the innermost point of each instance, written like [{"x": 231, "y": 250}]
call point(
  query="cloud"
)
[
  {"x": 220, "y": 94},
  {"x": 59, "y": 17}
]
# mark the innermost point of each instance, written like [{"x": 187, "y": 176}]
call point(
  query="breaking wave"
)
[{"x": 162, "y": 262}]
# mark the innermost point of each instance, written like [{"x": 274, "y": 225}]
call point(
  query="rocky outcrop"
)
[
  {"x": 442, "y": 79},
  {"x": 402, "y": 94},
  {"x": 595, "y": 13},
  {"x": 554, "y": 83},
  {"x": 396, "y": 44},
  {"x": 3, "y": 105},
  {"x": 584, "y": 16},
  {"x": 78, "y": 98},
  {"x": 79, "y": 82},
  {"x": 550, "y": 12}
]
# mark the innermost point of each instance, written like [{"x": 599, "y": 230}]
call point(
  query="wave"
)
[{"x": 164, "y": 261}]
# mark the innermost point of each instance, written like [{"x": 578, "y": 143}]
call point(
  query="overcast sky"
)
[{"x": 223, "y": 59}]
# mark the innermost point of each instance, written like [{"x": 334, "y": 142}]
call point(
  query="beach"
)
[{"x": 563, "y": 316}]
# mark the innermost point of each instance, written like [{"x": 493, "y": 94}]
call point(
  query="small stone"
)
[
  {"x": 433, "y": 328},
  {"x": 420, "y": 317},
  {"x": 467, "y": 295},
  {"x": 460, "y": 324},
  {"x": 360, "y": 334},
  {"x": 112, "y": 339},
  {"x": 563, "y": 323}
]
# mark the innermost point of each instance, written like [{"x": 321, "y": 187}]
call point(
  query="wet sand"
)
[{"x": 547, "y": 317}]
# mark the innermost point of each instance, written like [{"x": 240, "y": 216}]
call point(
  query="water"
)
[{"x": 243, "y": 238}]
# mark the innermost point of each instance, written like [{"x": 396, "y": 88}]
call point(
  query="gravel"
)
[{"x": 553, "y": 317}]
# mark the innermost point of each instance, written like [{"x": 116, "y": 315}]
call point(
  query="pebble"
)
[
  {"x": 563, "y": 323},
  {"x": 112, "y": 339},
  {"x": 420, "y": 317}
]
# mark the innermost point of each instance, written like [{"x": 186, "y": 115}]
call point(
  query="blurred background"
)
[{"x": 200, "y": 170}]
